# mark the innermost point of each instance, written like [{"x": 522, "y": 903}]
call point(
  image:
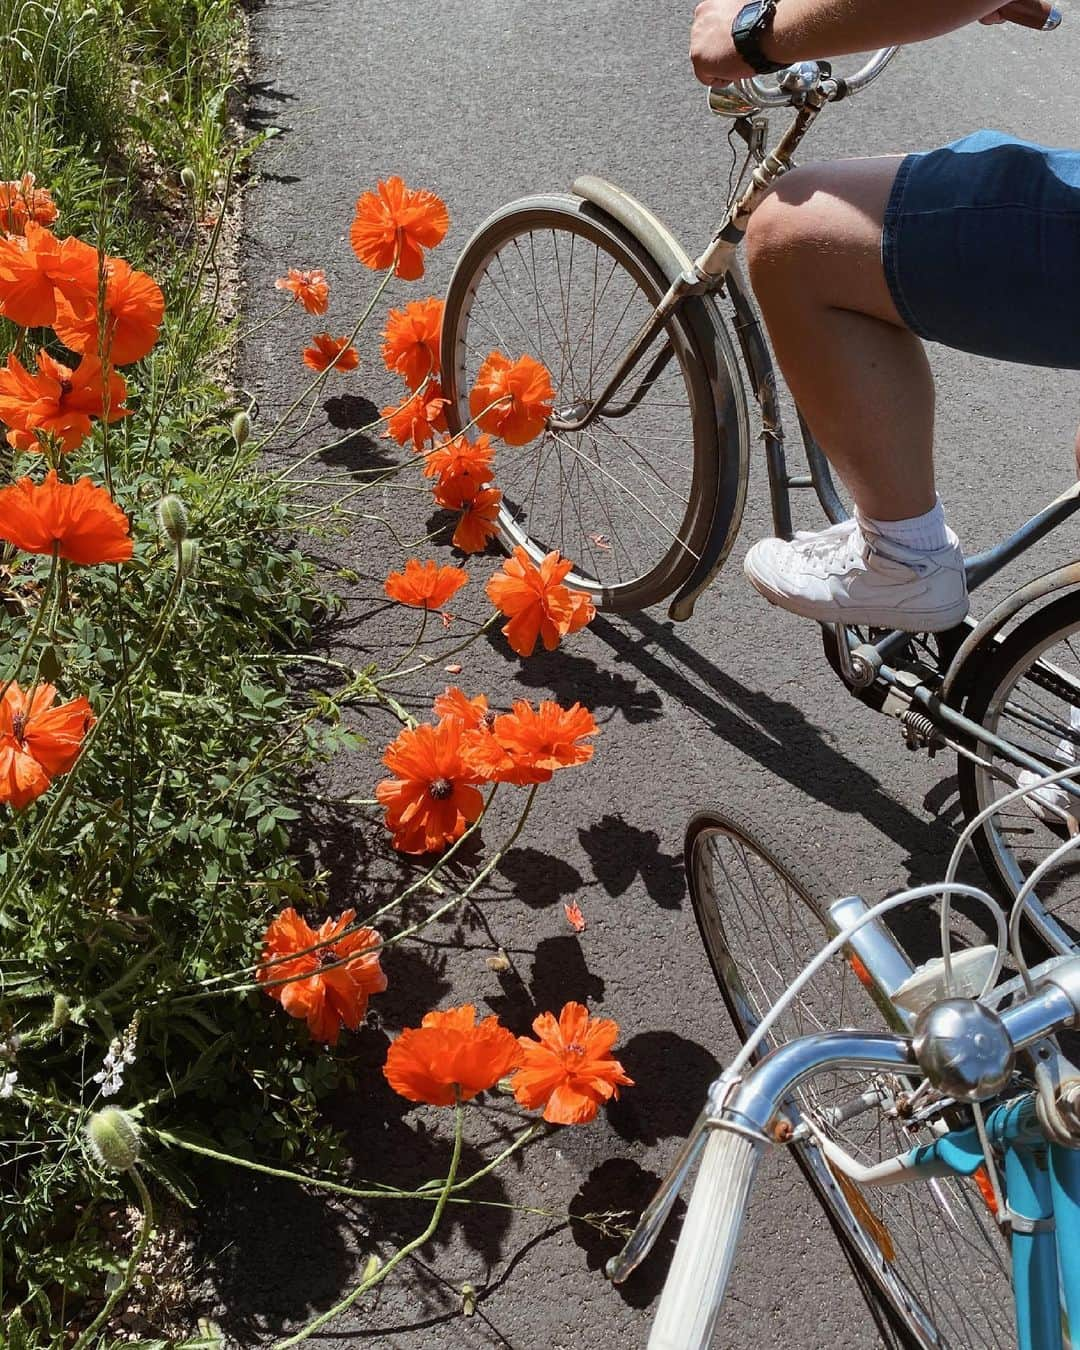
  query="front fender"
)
[{"x": 702, "y": 314}]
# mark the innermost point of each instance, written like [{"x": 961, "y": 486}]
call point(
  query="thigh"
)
[
  {"x": 825, "y": 221},
  {"x": 981, "y": 246}
]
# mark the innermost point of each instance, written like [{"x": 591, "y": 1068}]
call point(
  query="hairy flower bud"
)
[
  {"x": 61, "y": 1011},
  {"x": 172, "y": 517},
  {"x": 187, "y": 177},
  {"x": 113, "y": 1139},
  {"x": 188, "y": 561},
  {"x": 241, "y": 428}
]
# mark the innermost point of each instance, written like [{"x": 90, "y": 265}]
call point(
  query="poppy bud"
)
[
  {"x": 172, "y": 517},
  {"x": 188, "y": 561},
  {"x": 241, "y": 428},
  {"x": 61, "y": 1011},
  {"x": 113, "y": 1139},
  {"x": 187, "y": 177}
]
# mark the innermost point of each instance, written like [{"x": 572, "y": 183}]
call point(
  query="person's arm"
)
[{"x": 804, "y": 30}]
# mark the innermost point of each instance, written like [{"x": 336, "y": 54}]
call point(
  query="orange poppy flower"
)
[
  {"x": 529, "y": 744},
  {"x": 450, "y": 1057},
  {"x": 308, "y": 288},
  {"x": 396, "y": 221},
  {"x": 57, "y": 400},
  {"x": 417, "y": 419},
  {"x": 326, "y": 351},
  {"x": 411, "y": 340},
  {"x": 39, "y": 271},
  {"x": 327, "y": 999},
  {"x": 21, "y": 201},
  {"x": 479, "y": 521},
  {"x": 459, "y": 461},
  {"x": 77, "y": 521},
  {"x": 536, "y": 602},
  {"x": 569, "y": 1071},
  {"x": 453, "y": 702},
  {"x": 522, "y": 393},
  {"x": 425, "y": 585},
  {"x": 433, "y": 795},
  {"x": 128, "y": 326},
  {"x": 37, "y": 741}
]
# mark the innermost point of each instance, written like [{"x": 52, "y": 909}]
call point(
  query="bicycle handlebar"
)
[
  {"x": 739, "y": 1132},
  {"x": 793, "y": 80}
]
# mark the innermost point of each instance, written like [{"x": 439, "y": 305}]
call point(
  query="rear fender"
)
[{"x": 985, "y": 637}]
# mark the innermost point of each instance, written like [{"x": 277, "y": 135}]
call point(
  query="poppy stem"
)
[
  {"x": 124, "y": 1285},
  {"x": 35, "y": 628},
  {"x": 428, "y": 662},
  {"x": 320, "y": 379},
  {"x": 247, "y": 333},
  {"x": 416, "y": 644},
  {"x": 379, "y": 1275}
]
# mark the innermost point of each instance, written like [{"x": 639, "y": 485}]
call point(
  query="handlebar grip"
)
[
  {"x": 1033, "y": 14},
  {"x": 699, "y": 1273}
]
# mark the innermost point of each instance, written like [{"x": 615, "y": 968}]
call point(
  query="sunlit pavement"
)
[{"x": 483, "y": 101}]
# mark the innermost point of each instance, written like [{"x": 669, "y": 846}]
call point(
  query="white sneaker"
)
[
  {"x": 846, "y": 576},
  {"x": 1052, "y": 803}
]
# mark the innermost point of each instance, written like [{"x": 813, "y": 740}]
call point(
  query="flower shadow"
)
[
  {"x": 612, "y": 1196},
  {"x": 538, "y": 878},
  {"x": 558, "y": 975},
  {"x": 620, "y": 853},
  {"x": 258, "y": 1285},
  {"x": 651, "y": 1111},
  {"x": 576, "y": 679}
]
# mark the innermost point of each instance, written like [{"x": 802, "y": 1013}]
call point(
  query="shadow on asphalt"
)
[
  {"x": 775, "y": 734},
  {"x": 615, "y": 1193}
]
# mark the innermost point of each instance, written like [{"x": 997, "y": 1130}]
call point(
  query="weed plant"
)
[{"x": 160, "y": 858}]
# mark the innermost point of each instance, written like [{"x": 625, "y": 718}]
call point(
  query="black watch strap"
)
[{"x": 751, "y": 24}]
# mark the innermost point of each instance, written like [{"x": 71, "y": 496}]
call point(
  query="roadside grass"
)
[{"x": 155, "y": 862}]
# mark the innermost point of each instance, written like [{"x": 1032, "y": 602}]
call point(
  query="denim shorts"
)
[{"x": 981, "y": 248}]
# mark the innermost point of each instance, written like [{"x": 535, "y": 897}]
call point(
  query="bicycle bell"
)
[{"x": 963, "y": 1048}]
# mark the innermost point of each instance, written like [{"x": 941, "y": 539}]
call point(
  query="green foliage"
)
[{"x": 153, "y": 866}]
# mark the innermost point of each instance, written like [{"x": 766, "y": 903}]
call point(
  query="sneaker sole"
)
[{"x": 930, "y": 621}]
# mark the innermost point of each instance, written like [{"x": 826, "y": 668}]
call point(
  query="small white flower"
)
[{"x": 8, "y": 1079}]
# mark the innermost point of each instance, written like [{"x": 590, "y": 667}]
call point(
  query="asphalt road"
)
[{"x": 483, "y": 101}]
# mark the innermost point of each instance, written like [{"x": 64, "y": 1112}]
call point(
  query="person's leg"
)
[{"x": 859, "y": 375}]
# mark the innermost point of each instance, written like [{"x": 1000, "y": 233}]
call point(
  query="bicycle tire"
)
[
  {"x": 1006, "y": 864},
  {"x": 713, "y": 483},
  {"x": 867, "y": 1223}
]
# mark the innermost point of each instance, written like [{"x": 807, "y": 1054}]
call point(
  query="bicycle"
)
[
  {"x": 640, "y": 475},
  {"x": 941, "y": 1144}
]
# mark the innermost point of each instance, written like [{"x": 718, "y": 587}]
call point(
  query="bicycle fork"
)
[{"x": 707, "y": 273}]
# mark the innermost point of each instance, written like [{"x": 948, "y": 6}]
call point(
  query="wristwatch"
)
[{"x": 751, "y": 24}]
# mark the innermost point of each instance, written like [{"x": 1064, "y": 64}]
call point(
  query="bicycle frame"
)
[{"x": 810, "y": 87}]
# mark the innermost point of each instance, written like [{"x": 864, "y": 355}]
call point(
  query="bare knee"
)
[
  {"x": 821, "y": 225},
  {"x": 782, "y": 232}
]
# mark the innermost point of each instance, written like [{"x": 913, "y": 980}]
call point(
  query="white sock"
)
[{"x": 925, "y": 533}]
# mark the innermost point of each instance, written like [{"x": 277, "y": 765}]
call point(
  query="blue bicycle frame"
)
[{"x": 1042, "y": 1193}]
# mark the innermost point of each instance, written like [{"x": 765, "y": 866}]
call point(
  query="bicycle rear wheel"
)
[
  {"x": 928, "y": 1256},
  {"x": 633, "y": 498},
  {"x": 1029, "y": 694}
]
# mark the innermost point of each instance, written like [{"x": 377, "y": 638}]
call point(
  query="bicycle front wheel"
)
[
  {"x": 927, "y": 1255},
  {"x": 632, "y": 498}
]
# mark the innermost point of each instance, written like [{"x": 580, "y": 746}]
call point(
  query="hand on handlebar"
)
[
  {"x": 712, "y": 52},
  {"x": 1026, "y": 13}
]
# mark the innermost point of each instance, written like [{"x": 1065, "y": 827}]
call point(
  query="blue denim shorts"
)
[{"x": 981, "y": 248}]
